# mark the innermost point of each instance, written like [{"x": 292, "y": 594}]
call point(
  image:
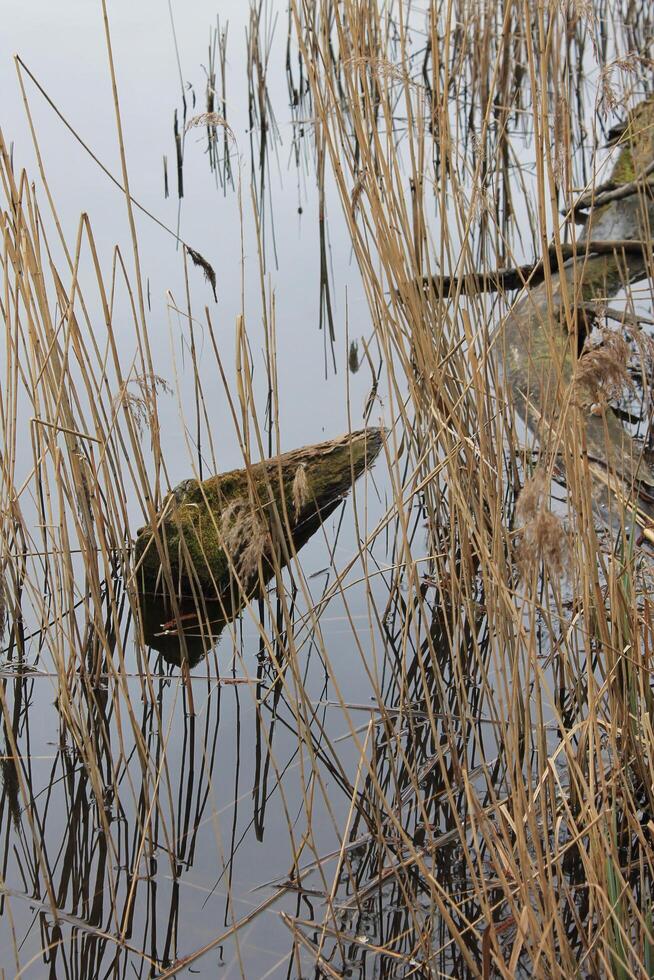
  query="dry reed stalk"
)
[
  {"x": 458, "y": 424},
  {"x": 499, "y": 795}
]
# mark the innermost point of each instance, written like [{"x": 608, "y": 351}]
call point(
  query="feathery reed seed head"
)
[
  {"x": 246, "y": 538},
  {"x": 603, "y": 369},
  {"x": 300, "y": 489},
  {"x": 543, "y": 535}
]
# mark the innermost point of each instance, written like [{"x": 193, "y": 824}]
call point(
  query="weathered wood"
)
[
  {"x": 531, "y": 273},
  {"x": 220, "y": 540},
  {"x": 612, "y": 191}
]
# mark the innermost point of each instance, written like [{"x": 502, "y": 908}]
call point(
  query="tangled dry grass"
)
[
  {"x": 493, "y": 814},
  {"x": 543, "y": 537}
]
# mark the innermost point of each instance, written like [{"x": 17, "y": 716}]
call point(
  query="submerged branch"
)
[{"x": 224, "y": 538}]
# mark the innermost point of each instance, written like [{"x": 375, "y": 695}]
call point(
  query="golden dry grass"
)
[{"x": 501, "y": 800}]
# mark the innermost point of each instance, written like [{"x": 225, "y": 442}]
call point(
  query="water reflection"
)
[
  {"x": 140, "y": 843},
  {"x": 183, "y": 630},
  {"x": 138, "y": 818}
]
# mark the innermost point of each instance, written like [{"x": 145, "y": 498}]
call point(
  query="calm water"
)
[
  {"x": 230, "y": 779},
  {"x": 233, "y": 795}
]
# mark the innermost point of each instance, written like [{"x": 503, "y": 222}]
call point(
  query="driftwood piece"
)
[
  {"x": 632, "y": 175},
  {"x": 613, "y": 193},
  {"x": 219, "y": 541},
  {"x": 532, "y": 273},
  {"x": 614, "y": 190}
]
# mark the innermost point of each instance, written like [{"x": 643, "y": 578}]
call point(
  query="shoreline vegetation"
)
[
  {"x": 547, "y": 358},
  {"x": 484, "y": 806}
]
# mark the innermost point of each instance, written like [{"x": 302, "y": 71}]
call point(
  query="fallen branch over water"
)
[
  {"x": 612, "y": 191},
  {"x": 532, "y": 273}
]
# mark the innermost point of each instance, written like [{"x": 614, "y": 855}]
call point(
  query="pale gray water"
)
[
  {"x": 211, "y": 831},
  {"x": 218, "y": 761}
]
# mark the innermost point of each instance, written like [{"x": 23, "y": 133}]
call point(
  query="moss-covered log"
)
[
  {"x": 540, "y": 352},
  {"x": 218, "y": 541}
]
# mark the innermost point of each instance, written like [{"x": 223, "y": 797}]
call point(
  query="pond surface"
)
[
  {"x": 166, "y": 838},
  {"x": 227, "y": 790}
]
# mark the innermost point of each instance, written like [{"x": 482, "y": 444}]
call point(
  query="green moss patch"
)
[{"x": 226, "y": 532}]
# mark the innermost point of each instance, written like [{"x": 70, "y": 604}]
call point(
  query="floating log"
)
[
  {"x": 217, "y": 542},
  {"x": 540, "y": 355}
]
